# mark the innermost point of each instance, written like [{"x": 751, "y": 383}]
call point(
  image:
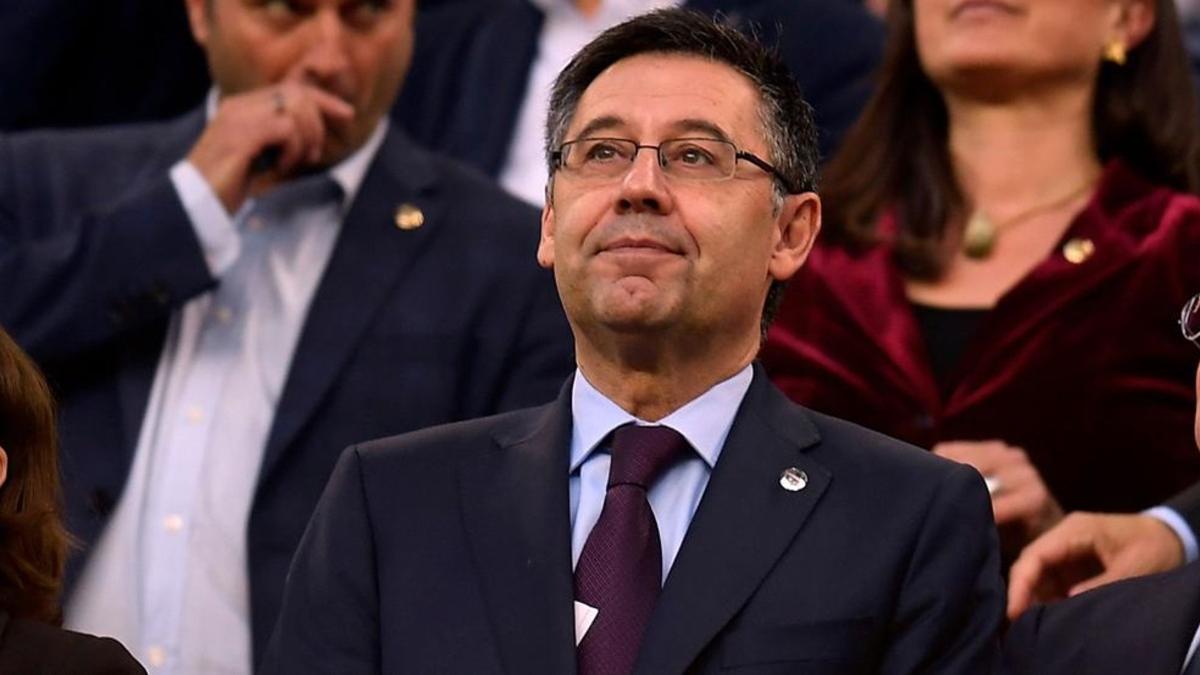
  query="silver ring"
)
[
  {"x": 994, "y": 485},
  {"x": 279, "y": 102}
]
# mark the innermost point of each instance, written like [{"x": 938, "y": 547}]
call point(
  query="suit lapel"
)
[
  {"x": 368, "y": 260},
  {"x": 744, "y": 523},
  {"x": 517, "y": 516}
]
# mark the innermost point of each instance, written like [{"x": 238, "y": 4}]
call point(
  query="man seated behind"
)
[
  {"x": 671, "y": 511},
  {"x": 224, "y": 301}
]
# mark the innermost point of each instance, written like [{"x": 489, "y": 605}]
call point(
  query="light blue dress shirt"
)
[
  {"x": 704, "y": 421},
  {"x": 168, "y": 577}
]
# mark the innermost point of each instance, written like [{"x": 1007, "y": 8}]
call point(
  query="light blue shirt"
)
[
  {"x": 168, "y": 577},
  {"x": 704, "y": 421}
]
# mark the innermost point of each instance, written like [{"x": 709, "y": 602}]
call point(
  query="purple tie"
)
[{"x": 620, "y": 568}]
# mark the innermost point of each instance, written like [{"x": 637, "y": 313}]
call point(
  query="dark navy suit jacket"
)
[
  {"x": 406, "y": 329},
  {"x": 1142, "y": 626},
  {"x": 448, "y": 550},
  {"x": 472, "y": 61}
]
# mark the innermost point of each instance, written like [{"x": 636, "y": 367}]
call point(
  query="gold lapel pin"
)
[
  {"x": 1077, "y": 250},
  {"x": 409, "y": 216}
]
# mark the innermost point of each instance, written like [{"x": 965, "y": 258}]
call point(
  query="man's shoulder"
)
[
  {"x": 53, "y": 169},
  {"x": 845, "y": 445},
  {"x": 447, "y": 445},
  {"x": 107, "y": 144}
]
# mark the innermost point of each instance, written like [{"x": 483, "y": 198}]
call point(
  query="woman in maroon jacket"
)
[{"x": 1009, "y": 236}]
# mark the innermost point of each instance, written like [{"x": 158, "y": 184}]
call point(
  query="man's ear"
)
[
  {"x": 3, "y": 466},
  {"x": 199, "y": 20},
  {"x": 545, "y": 251},
  {"x": 798, "y": 223}
]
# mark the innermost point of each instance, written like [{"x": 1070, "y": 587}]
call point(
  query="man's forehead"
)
[{"x": 651, "y": 93}]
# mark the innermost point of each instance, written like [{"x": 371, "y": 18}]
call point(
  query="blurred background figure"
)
[
  {"x": 33, "y": 544},
  {"x": 65, "y": 63},
  {"x": 482, "y": 69},
  {"x": 1008, "y": 241}
]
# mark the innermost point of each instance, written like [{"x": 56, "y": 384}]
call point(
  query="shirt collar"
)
[
  {"x": 348, "y": 173},
  {"x": 704, "y": 421}
]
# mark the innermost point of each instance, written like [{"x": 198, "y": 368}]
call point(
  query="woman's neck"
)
[{"x": 1013, "y": 155}]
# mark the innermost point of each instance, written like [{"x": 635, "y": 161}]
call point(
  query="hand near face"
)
[
  {"x": 1087, "y": 550},
  {"x": 292, "y": 118},
  {"x": 1021, "y": 502}
]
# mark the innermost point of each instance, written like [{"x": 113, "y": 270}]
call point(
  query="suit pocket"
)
[{"x": 829, "y": 647}]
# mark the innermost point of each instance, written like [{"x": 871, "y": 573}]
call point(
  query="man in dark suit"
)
[
  {"x": 225, "y": 300},
  {"x": 479, "y": 87},
  {"x": 539, "y": 541},
  {"x": 1148, "y": 625}
]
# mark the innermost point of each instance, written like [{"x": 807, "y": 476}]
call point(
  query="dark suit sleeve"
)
[
  {"x": 952, "y": 603},
  {"x": 329, "y": 620},
  {"x": 76, "y": 282},
  {"x": 1187, "y": 504},
  {"x": 1020, "y": 643}
]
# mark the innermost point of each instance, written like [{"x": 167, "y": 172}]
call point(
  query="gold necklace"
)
[{"x": 980, "y": 234}]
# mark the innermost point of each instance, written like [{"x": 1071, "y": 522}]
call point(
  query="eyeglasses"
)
[
  {"x": 690, "y": 159},
  {"x": 1189, "y": 320}
]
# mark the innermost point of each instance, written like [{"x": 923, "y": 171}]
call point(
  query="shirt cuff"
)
[
  {"x": 213, "y": 226},
  {"x": 1179, "y": 526}
]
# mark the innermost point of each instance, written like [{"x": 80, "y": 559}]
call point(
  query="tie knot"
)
[{"x": 641, "y": 454}]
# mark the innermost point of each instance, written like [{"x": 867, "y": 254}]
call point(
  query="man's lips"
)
[{"x": 638, "y": 245}]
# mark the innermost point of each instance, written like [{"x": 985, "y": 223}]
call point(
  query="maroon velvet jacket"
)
[{"x": 1081, "y": 364}]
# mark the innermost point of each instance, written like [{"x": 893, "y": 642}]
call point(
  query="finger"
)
[
  {"x": 1024, "y": 576},
  {"x": 287, "y": 138},
  {"x": 311, "y": 127},
  {"x": 1086, "y": 585},
  {"x": 330, "y": 105}
]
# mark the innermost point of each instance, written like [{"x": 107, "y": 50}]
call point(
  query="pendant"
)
[{"x": 979, "y": 238}]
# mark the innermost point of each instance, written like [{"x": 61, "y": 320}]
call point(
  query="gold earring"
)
[{"x": 1114, "y": 51}]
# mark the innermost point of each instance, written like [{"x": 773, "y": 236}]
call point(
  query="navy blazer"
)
[
  {"x": 472, "y": 60},
  {"x": 406, "y": 329},
  {"x": 448, "y": 550},
  {"x": 1143, "y": 625}
]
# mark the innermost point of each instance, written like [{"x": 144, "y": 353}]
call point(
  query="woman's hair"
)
[
  {"x": 896, "y": 155},
  {"x": 33, "y": 543}
]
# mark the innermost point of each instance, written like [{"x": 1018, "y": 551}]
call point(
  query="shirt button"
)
[
  {"x": 194, "y": 414},
  {"x": 156, "y": 656},
  {"x": 224, "y": 314},
  {"x": 173, "y": 523},
  {"x": 256, "y": 223}
]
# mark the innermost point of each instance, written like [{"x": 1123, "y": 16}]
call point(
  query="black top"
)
[
  {"x": 33, "y": 648},
  {"x": 947, "y": 332}
]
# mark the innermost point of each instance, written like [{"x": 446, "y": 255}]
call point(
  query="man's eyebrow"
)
[
  {"x": 603, "y": 123},
  {"x": 701, "y": 127}
]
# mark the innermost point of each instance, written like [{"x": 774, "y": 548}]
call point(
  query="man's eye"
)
[
  {"x": 281, "y": 9},
  {"x": 602, "y": 152},
  {"x": 693, "y": 155},
  {"x": 365, "y": 12}
]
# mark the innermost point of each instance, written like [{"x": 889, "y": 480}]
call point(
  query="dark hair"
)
[
  {"x": 33, "y": 543},
  {"x": 787, "y": 119},
  {"x": 896, "y": 155}
]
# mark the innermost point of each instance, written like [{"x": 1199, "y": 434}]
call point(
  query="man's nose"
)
[
  {"x": 644, "y": 187},
  {"x": 326, "y": 59}
]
